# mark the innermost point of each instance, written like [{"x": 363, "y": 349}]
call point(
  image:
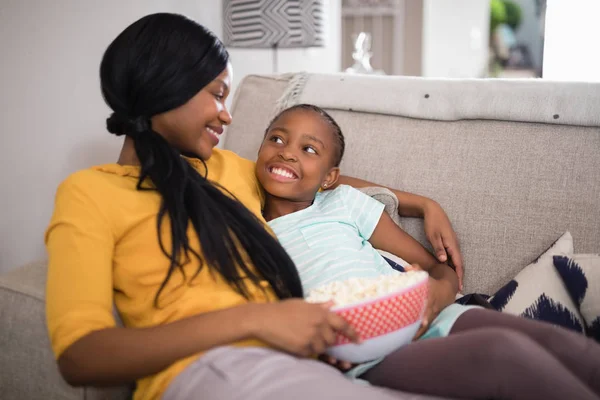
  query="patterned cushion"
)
[
  {"x": 538, "y": 292},
  {"x": 395, "y": 262},
  {"x": 581, "y": 275}
]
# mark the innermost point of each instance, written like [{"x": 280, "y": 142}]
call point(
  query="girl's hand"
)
[
  {"x": 341, "y": 365},
  {"x": 441, "y": 296},
  {"x": 298, "y": 327},
  {"x": 443, "y": 238}
]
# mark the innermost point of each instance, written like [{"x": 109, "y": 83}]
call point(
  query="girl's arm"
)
[
  {"x": 443, "y": 283},
  {"x": 438, "y": 228},
  {"x": 389, "y": 237}
]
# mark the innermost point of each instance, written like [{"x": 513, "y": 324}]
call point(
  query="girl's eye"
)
[
  {"x": 276, "y": 139},
  {"x": 219, "y": 97},
  {"x": 310, "y": 150}
]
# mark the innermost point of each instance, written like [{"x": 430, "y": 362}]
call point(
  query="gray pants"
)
[{"x": 231, "y": 373}]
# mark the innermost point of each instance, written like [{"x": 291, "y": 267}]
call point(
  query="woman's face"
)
[{"x": 196, "y": 126}]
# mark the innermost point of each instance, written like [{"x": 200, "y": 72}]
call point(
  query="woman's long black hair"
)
[{"x": 157, "y": 64}]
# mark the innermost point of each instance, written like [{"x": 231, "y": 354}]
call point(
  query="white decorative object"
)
[
  {"x": 385, "y": 21},
  {"x": 362, "y": 56}
]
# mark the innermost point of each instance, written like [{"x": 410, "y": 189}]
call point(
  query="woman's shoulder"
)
[
  {"x": 82, "y": 179},
  {"x": 226, "y": 167},
  {"x": 98, "y": 185},
  {"x": 238, "y": 176},
  {"x": 102, "y": 175},
  {"x": 224, "y": 157}
]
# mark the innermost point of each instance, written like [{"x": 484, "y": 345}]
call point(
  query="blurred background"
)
[{"x": 52, "y": 120}]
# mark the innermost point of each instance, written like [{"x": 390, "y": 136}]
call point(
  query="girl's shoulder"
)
[{"x": 339, "y": 192}]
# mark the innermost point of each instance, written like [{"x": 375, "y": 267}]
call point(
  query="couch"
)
[{"x": 514, "y": 163}]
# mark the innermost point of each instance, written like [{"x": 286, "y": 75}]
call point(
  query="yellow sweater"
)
[{"x": 103, "y": 250}]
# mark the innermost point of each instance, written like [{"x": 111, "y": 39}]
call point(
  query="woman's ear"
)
[{"x": 331, "y": 178}]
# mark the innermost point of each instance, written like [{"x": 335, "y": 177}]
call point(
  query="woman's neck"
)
[
  {"x": 276, "y": 207},
  {"x": 128, "y": 155}
]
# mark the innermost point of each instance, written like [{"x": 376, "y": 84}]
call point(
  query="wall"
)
[
  {"x": 571, "y": 41},
  {"x": 530, "y": 31},
  {"x": 52, "y": 114},
  {"x": 412, "y": 47},
  {"x": 455, "y": 38}
]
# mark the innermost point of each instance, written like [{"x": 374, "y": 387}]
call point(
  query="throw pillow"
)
[
  {"x": 395, "y": 262},
  {"x": 581, "y": 275},
  {"x": 537, "y": 292}
]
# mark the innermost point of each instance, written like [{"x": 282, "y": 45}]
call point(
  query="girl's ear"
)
[
  {"x": 331, "y": 178},
  {"x": 261, "y": 146}
]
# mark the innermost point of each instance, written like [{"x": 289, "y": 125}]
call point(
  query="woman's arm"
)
[
  {"x": 438, "y": 228},
  {"x": 114, "y": 356}
]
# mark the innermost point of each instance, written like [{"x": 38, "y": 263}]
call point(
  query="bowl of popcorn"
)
[{"x": 386, "y": 312}]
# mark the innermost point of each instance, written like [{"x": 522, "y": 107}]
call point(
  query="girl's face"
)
[
  {"x": 296, "y": 157},
  {"x": 196, "y": 126}
]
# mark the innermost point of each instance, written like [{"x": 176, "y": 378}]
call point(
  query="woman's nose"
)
[{"x": 225, "y": 116}]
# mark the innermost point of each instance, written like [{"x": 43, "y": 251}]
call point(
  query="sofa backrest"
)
[{"x": 514, "y": 163}]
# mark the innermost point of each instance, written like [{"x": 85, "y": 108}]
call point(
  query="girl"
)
[
  {"x": 193, "y": 273},
  {"x": 478, "y": 354}
]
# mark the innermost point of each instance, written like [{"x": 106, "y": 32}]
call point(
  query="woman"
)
[{"x": 190, "y": 268}]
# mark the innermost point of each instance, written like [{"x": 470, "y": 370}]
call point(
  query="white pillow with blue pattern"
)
[
  {"x": 538, "y": 292},
  {"x": 581, "y": 275}
]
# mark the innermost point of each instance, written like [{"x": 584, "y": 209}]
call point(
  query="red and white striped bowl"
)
[{"x": 384, "y": 323}]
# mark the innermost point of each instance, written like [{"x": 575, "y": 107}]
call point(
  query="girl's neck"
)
[{"x": 276, "y": 207}]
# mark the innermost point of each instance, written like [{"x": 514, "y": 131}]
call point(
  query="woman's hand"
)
[
  {"x": 440, "y": 296},
  {"x": 443, "y": 238},
  {"x": 298, "y": 327}
]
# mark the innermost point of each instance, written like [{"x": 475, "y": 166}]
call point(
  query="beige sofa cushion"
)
[{"x": 27, "y": 365}]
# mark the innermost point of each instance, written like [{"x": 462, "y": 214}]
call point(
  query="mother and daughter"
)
[{"x": 174, "y": 236}]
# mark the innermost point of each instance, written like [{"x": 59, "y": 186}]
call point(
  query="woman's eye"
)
[
  {"x": 310, "y": 150},
  {"x": 219, "y": 97}
]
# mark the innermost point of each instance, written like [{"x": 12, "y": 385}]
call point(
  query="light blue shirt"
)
[{"x": 328, "y": 241}]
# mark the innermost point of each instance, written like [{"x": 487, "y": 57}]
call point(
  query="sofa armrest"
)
[{"x": 29, "y": 370}]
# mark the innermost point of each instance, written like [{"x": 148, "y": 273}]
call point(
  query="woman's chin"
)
[{"x": 204, "y": 152}]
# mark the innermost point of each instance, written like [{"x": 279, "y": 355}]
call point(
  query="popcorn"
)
[{"x": 356, "y": 290}]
